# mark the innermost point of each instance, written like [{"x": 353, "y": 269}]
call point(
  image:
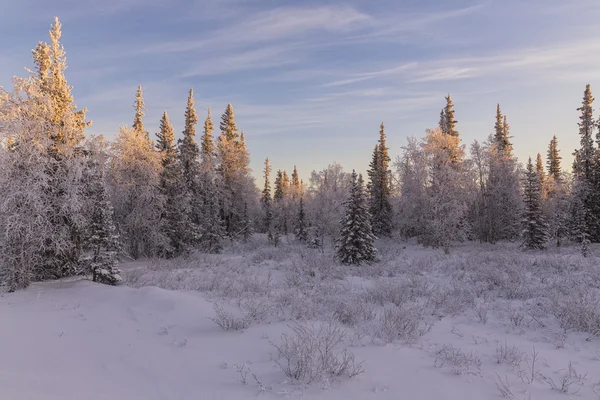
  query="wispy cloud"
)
[{"x": 271, "y": 26}]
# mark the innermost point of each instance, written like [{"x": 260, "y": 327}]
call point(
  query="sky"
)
[{"x": 311, "y": 81}]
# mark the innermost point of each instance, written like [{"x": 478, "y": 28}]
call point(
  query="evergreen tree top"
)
[
  {"x": 384, "y": 156},
  {"x": 553, "y": 161},
  {"x": 286, "y": 179},
  {"x": 539, "y": 168},
  {"x": 585, "y": 157},
  {"x": 208, "y": 146},
  {"x": 586, "y": 117},
  {"x": 450, "y": 123},
  {"x": 138, "y": 119},
  {"x": 295, "y": 178},
  {"x": 267, "y": 188},
  {"x": 67, "y": 124},
  {"x": 502, "y": 132},
  {"x": 166, "y": 135},
  {"x": 227, "y": 125},
  {"x": 191, "y": 118},
  {"x": 279, "y": 186}
]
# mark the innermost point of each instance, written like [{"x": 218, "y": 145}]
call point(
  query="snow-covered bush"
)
[
  {"x": 386, "y": 291},
  {"x": 457, "y": 360},
  {"x": 509, "y": 354},
  {"x": 352, "y": 310},
  {"x": 453, "y": 300},
  {"x": 579, "y": 311},
  {"x": 399, "y": 323},
  {"x": 315, "y": 351},
  {"x": 229, "y": 322}
]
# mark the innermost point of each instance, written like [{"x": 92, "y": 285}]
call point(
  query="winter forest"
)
[{"x": 455, "y": 259}]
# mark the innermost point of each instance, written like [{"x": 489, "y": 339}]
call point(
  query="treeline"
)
[{"x": 71, "y": 204}]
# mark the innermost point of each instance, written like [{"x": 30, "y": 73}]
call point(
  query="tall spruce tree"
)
[
  {"x": 450, "y": 121},
  {"x": 584, "y": 163},
  {"x": 301, "y": 228},
  {"x": 138, "y": 119},
  {"x": 584, "y": 171},
  {"x": 295, "y": 179},
  {"x": 103, "y": 239},
  {"x": 442, "y": 124},
  {"x": 266, "y": 202},
  {"x": 236, "y": 182},
  {"x": 246, "y": 224},
  {"x": 356, "y": 241},
  {"x": 135, "y": 170},
  {"x": 553, "y": 160},
  {"x": 176, "y": 226},
  {"x": 502, "y": 196},
  {"x": 207, "y": 143},
  {"x": 558, "y": 196},
  {"x": 379, "y": 188},
  {"x": 501, "y": 132},
  {"x": 535, "y": 231},
  {"x": 211, "y": 226},
  {"x": 279, "y": 190},
  {"x": 189, "y": 156},
  {"x": 539, "y": 169},
  {"x": 64, "y": 126}
]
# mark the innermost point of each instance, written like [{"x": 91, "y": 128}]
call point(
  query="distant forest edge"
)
[{"x": 73, "y": 204}]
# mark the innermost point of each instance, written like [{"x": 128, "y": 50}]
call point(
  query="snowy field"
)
[{"x": 485, "y": 322}]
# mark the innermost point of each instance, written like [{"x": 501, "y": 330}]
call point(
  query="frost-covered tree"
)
[
  {"x": 447, "y": 190},
  {"x": 553, "y": 160},
  {"x": 535, "y": 228},
  {"x": 189, "y": 155},
  {"x": 328, "y": 190},
  {"x": 558, "y": 195},
  {"x": 246, "y": 225},
  {"x": 211, "y": 225},
  {"x": 449, "y": 125},
  {"x": 300, "y": 227},
  {"x": 412, "y": 171},
  {"x": 501, "y": 133},
  {"x": 175, "y": 214},
  {"x": 282, "y": 202},
  {"x": 503, "y": 200},
  {"x": 237, "y": 185},
  {"x": 296, "y": 182},
  {"x": 356, "y": 241},
  {"x": 267, "y": 202},
  {"x": 134, "y": 178},
  {"x": 585, "y": 176},
  {"x": 557, "y": 208},
  {"x": 379, "y": 188},
  {"x": 102, "y": 238},
  {"x": 138, "y": 119},
  {"x": 539, "y": 169},
  {"x": 24, "y": 176},
  {"x": 480, "y": 165},
  {"x": 208, "y": 145},
  {"x": 42, "y": 194},
  {"x": 442, "y": 124}
]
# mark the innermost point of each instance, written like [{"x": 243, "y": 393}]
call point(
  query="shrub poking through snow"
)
[
  {"x": 458, "y": 361},
  {"x": 229, "y": 322},
  {"x": 315, "y": 351},
  {"x": 399, "y": 323}
]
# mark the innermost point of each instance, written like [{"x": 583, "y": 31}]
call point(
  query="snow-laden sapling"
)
[
  {"x": 356, "y": 242},
  {"x": 103, "y": 239},
  {"x": 315, "y": 351}
]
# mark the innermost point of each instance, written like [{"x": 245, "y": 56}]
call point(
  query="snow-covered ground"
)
[{"x": 425, "y": 325}]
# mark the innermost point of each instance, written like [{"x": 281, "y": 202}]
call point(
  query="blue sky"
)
[{"x": 310, "y": 81}]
